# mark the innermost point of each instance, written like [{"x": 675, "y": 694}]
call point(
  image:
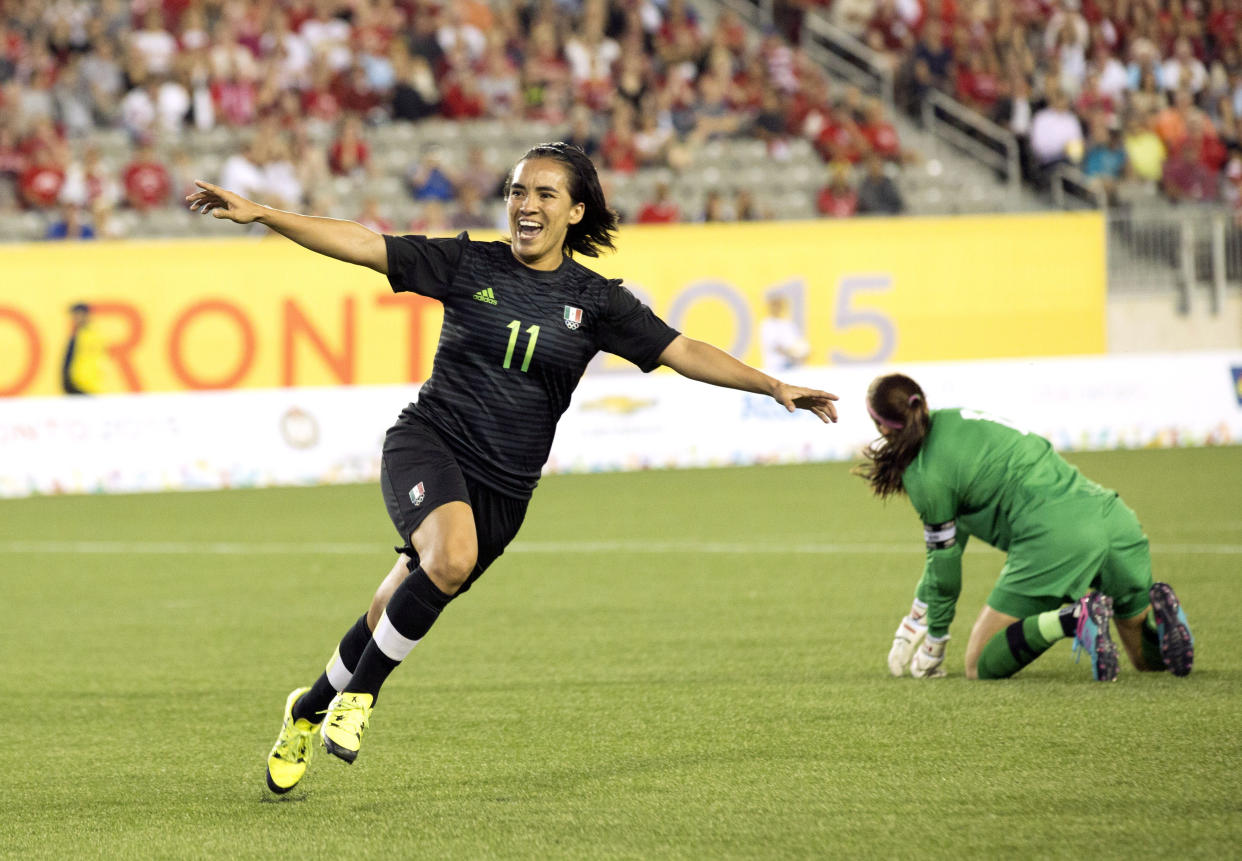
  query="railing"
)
[
  {"x": 1071, "y": 187},
  {"x": 969, "y": 131},
  {"x": 844, "y": 55},
  {"x": 757, "y": 13},
  {"x": 946, "y": 119},
  {"x": 828, "y": 45},
  {"x": 1194, "y": 251}
]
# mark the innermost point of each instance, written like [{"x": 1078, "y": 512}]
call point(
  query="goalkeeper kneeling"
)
[{"x": 1077, "y": 559}]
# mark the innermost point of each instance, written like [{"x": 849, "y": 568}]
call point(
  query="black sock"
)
[
  {"x": 411, "y": 612},
  {"x": 1069, "y": 620},
  {"x": 1151, "y": 644},
  {"x": 310, "y": 705}
]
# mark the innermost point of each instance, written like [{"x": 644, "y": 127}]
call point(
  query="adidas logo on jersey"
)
[{"x": 486, "y": 295}]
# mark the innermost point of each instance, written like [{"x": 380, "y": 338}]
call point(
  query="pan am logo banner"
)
[{"x": 263, "y": 314}]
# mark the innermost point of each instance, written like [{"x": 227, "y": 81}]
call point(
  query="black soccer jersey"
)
[{"x": 514, "y": 344}]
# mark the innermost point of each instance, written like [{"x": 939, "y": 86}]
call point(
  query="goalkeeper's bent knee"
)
[{"x": 1016, "y": 646}]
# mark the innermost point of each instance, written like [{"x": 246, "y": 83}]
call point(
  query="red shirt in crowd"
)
[
  {"x": 461, "y": 101},
  {"x": 838, "y": 141},
  {"x": 882, "y": 138},
  {"x": 801, "y": 105},
  {"x": 1093, "y": 101},
  {"x": 236, "y": 101},
  {"x": 39, "y": 185},
  {"x": 659, "y": 212},
  {"x": 980, "y": 88},
  {"x": 147, "y": 184},
  {"x": 321, "y": 104},
  {"x": 891, "y": 28},
  {"x": 837, "y": 202},
  {"x": 352, "y": 91},
  {"x": 1212, "y": 153},
  {"x": 619, "y": 152},
  {"x": 346, "y": 156}
]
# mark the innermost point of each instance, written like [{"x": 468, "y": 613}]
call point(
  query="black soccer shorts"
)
[{"x": 418, "y": 474}]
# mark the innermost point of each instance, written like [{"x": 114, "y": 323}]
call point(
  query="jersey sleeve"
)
[
  {"x": 425, "y": 266},
  {"x": 941, "y": 584},
  {"x": 631, "y": 330}
]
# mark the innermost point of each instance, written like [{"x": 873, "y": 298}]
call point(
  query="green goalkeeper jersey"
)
[{"x": 976, "y": 474}]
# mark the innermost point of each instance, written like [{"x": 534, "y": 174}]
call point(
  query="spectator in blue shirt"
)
[
  {"x": 431, "y": 180},
  {"x": 70, "y": 225},
  {"x": 1105, "y": 161}
]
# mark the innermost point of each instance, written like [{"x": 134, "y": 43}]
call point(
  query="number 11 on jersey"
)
[{"x": 514, "y": 327}]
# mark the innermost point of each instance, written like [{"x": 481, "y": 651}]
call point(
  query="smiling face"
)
[{"x": 540, "y": 212}]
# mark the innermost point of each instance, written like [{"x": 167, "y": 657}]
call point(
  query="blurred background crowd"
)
[{"x": 403, "y": 114}]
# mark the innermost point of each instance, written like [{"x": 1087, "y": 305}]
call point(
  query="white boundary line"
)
[{"x": 637, "y": 546}]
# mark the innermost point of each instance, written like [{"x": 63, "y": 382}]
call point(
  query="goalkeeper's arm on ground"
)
[
  {"x": 921, "y": 637},
  {"x": 942, "y": 575}
]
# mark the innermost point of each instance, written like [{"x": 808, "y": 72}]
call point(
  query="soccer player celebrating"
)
[
  {"x": 968, "y": 473},
  {"x": 521, "y": 321}
]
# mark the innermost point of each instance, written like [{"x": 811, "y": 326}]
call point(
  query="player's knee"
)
[
  {"x": 976, "y": 665},
  {"x": 450, "y": 566}
]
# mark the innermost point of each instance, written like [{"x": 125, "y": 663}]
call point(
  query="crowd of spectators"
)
[
  {"x": 1139, "y": 94},
  {"x": 637, "y": 83},
  {"x": 1142, "y": 95}
]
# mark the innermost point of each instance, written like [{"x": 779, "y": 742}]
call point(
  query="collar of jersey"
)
[{"x": 541, "y": 274}]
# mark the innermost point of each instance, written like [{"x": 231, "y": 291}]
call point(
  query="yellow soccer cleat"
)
[
  {"x": 346, "y": 720},
  {"x": 292, "y": 752}
]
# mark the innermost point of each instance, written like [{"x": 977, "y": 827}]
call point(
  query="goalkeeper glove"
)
[
  {"x": 929, "y": 657},
  {"x": 907, "y": 638}
]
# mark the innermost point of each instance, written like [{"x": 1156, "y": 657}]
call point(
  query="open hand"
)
[
  {"x": 222, "y": 203},
  {"x": 798, "y": 397}
]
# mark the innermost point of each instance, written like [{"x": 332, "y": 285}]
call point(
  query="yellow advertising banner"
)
[{"x": 265, "y": 313}]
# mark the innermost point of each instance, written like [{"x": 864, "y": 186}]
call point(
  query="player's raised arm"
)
[
  {"x": 333, "y": 237},
  {"x": 700, "y": 361}
]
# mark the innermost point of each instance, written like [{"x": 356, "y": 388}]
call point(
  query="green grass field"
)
[{"x": 665, "y": 665}]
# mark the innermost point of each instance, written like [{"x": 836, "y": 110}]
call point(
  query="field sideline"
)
[{"x": 682, "y": 664}]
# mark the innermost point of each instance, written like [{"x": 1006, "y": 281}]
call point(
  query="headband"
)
[{"x": 889, "y": 423}]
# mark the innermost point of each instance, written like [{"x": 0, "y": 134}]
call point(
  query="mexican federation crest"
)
[{"x": 573, "y": 317}]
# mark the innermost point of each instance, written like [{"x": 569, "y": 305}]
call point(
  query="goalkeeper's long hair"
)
[
  {"x": 898, "y": 404},
  {"x": 595, "y": 232}
]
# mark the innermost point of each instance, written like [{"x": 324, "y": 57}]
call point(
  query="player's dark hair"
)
[
  {"x": 897, "y": 403},
  {"x": 594, "y": 233}
]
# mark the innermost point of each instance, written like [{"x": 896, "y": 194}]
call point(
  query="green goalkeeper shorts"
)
[{"x": 1063, "y": 550}]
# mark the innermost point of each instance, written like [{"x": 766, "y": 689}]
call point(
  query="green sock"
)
[{"x": 1022, "y": 642}]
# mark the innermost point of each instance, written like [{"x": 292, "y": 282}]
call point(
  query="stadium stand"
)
[
  {"x": 261, "y": 96},
  {"x": 334, "y": 106}
]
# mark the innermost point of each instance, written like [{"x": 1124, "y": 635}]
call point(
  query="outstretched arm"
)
[
  {"x": 701, "y": 361},
  {"x": 344, "y": 240}
]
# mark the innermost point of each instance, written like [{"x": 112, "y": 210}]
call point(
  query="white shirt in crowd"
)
[
  {"x": 1113, "y": 78},
  {"x": 781, "y": 345},
  {"x": 1052, "y": 131},
  {"x": 243, "y": 176},
  {"x": 1175, "y": 74},
  {"x": 157, "y": 47}
]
